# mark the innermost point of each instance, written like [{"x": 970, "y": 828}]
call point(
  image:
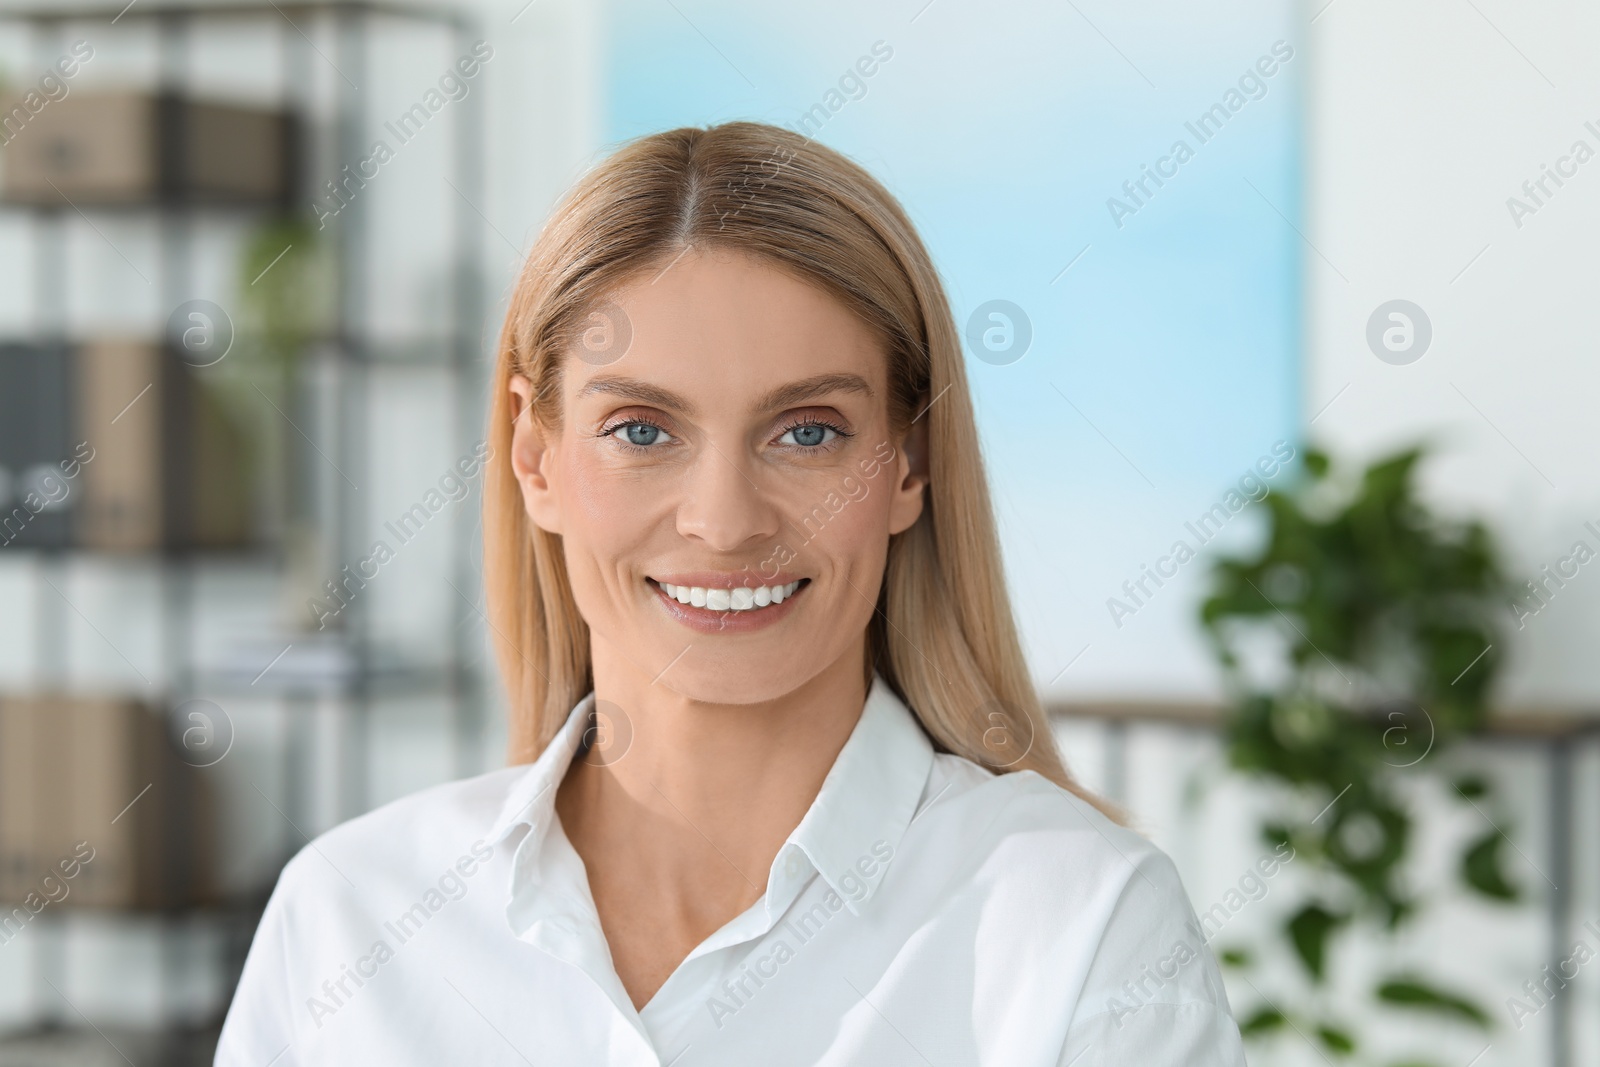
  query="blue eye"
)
[
  {"x": 640, "y": 434},
  {"x": 808, "y": 435}
]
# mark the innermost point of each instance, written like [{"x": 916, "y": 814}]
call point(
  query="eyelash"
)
[
  {"x": 628, "y": 446},
  {"x": 840, "y": 433}
]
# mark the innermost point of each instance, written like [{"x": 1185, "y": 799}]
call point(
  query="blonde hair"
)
[{"x": 943, "y": 636}]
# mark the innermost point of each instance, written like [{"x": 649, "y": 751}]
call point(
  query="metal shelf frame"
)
[{"x": 354, "y": 361}]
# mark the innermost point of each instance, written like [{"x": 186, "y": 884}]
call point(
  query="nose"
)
[{"x": 723, "y": 507}]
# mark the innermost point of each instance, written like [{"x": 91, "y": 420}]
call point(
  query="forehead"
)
[{"x": 725, "y": 327}]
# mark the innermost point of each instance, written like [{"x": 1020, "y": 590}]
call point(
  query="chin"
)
[{"x": 740, "y": 673}]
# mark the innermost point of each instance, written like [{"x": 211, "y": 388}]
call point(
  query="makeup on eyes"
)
[{"x": 837, "y": 425}]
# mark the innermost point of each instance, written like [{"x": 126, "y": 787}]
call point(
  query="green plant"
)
[
  {"x": 287, "y": 294},
  {"x": 1387, "y": 617},
  {"x": 287, "y": 289}
]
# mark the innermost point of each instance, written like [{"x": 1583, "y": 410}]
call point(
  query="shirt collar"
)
[
  {"x": 850, "y": 833},
  {"x": 531, "y": 801},
  {"x": 855, "y": 826}
]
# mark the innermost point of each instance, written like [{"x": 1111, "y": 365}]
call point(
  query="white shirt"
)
[{"x": 925, "y": 911}]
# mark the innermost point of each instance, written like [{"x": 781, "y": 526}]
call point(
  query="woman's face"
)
[{"x": 726, "y": 488}]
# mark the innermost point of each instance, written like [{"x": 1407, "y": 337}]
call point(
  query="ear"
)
[
  {"x": 911, "y": 474},
  {"x": 532, "y": 460}
]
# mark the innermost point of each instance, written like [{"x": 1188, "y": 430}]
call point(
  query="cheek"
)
[
  {"x": 838, "y": 532},
  {"x": 606, "y": 514},
  {"x": 606, "y": 500}
]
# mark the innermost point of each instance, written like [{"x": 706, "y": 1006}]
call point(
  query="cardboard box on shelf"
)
[
  {"x": 134, "y": 147},
  {"x": 118, "y": 445},
  {"x": 102, "y": 778},
  {"x": 33, "y": 796},
  {"x": 170, "y": 467}
]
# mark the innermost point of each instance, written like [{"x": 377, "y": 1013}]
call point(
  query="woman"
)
[{"x": 792, "y": 798}]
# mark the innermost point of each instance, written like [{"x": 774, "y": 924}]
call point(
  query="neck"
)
[{"x": 736, "y": 777}]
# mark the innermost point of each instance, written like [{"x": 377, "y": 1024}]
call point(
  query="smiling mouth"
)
[{"x": 740, "y": 598}]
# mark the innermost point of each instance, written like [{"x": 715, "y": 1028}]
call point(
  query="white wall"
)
[{"x": 1423, "y": 119}]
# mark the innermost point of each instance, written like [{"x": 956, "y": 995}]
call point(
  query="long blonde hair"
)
[{"x": 943, "y": 636}]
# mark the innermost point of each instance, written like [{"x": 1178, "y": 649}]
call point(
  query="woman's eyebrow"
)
[
  {"x": 811, "y": 388},
  {"x": 633, "y": 389},
  {"x": 783, "y": 396}
]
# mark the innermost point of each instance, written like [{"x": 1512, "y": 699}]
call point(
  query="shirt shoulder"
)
[
  {"x": 1096, "y": 906},
  {"x": 403, "y": 862},
  {"x": 1035, "y": 828}
]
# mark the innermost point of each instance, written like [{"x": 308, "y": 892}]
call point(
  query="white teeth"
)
[{"x": 739, "y": 598}]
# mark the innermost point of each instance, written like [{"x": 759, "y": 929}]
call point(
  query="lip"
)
[
  {"x": 707, "y": 621},
  {"x": 726, "y": 579}
]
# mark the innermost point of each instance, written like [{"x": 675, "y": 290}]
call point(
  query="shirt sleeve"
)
[
  {"x": 1194, "y": 1035},
  {"x": 1154, "y": 994},
  {"x": 258, "y": 1030}
]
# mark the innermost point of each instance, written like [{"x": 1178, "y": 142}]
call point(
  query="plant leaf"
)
[
  {"x": 1264, "y": 1021},
  {"x": 1235, "y": 957},
  {"x": 1309, "y": 930},
  {"x": 1480, "y": 868},
  {"x": 1336, "y": 1039},
  {"x": 1412, "y": 992}
]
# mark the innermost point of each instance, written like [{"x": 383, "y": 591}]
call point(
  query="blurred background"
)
[{"x": 1276, "y": 318}]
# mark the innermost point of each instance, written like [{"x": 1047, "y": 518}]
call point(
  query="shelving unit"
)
[{"x": 334, "y": 689}]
